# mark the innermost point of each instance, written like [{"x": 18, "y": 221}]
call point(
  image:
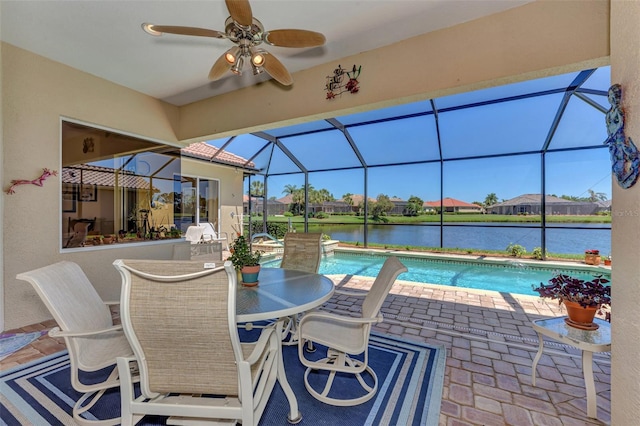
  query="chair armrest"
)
[
  {"x": 210, "y": 239},
  {"x": 260, "y": 345},
  {"x": 350, "y": 293},
  {"x": 127, "y": 360},
  {"x": 56, "y": 332},
  {"x": 339, "y": 318}
]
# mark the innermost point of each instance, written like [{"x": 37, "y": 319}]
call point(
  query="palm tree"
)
[
  {"x": 298, "y": 199},
  {"x": 596, "y": 196},
  {"x": 490, "y": 199},
  {"x": 348, "y": 198},
  {"x": 257, "y": 189},
  {"x": 326, "y": 195},
  {"x": 290, "y": 189}
]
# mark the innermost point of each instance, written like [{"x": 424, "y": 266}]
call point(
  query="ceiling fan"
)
[{"x": 248, "y": 34}]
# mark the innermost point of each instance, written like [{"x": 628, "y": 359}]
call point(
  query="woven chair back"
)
[
  {"x": 181, "y": 326},
  {"x": 302, "y": 251}
]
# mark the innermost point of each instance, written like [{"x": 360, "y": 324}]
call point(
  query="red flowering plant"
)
[
  {"x": 591, "y": 251},
  {"x": 594, "y": 293}
]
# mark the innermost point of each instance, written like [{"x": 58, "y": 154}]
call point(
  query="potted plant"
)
[
  {"x": 592, "y": 257},
  {"x": 583, "y": 299},
  {"x": 245, "y": 261}
]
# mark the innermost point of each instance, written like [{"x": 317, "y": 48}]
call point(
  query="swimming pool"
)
[{"x": 510, "y": 276}]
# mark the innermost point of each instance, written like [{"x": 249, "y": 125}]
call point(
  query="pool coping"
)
[{"x": 547, "y": 264}]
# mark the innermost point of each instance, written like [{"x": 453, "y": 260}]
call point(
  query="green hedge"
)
[{"x": 275, "y": 229}]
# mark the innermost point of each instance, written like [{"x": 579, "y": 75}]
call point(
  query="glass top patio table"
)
[{"x": 281, "y": 293}]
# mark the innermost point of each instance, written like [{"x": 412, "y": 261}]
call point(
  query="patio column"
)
[{"x": 625, "y": 235}]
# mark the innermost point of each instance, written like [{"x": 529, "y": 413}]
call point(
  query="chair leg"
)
[
  {"x": 291, "y": 333},
  {"x": 342, "y": 360},
  {"x": 126, "y": 392},
  {"x": 80, "y": 408}
]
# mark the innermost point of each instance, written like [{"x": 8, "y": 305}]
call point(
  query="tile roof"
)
[
  {"x": 287, "y": 199},
  {"x": 204, "y": 151},
  {"x": 358, "y": 198},
  {"x": 450, "y": 202},
  {"x": 534, "y": 199}
]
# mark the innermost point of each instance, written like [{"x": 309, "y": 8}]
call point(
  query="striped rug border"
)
[{"x": 397, "y": 400}]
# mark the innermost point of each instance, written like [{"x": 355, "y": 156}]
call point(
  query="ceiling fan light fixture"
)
[
  {"x": 257, "y": 57},
  {"x": 232, "y": 55},
  {"x": 148, "y": 28},
  {"x": 237, "y": 67}
]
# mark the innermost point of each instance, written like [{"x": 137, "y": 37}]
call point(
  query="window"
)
[
  {"x": 116, "y": 188},
  {"x": 200, "y": 202}
]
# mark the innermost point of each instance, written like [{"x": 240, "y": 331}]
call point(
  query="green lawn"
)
[{"x": 343, "y": 219}]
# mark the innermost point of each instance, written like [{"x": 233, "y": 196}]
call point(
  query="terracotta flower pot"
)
[
  {"x": 580, "y": 317},
  {"x": 592, "y": 259},
  {"x": 250, "y": 275}
]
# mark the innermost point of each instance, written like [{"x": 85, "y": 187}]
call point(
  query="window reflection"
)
[{"x": 116, "y": 188}]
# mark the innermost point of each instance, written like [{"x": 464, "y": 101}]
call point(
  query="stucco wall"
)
[
  {"x": 2, "y": 321},
  {"x": 625, "y": 229},
  {"x": 36, "y": 92}
]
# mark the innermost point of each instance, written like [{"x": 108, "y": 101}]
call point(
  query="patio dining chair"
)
[
  {"x": 345, "y": 338},
  {"x": 194, "y": 234},
  {"x": 85, "y": 323},
  {"x": 302, "y": 252},
  {"x": 210, "y": 234},
  {"x": 203, "y": 244},
  {"x": 181, "y": 321}
]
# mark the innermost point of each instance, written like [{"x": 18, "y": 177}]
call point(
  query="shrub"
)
[
  {"x": 321, "y": 215},
  {"x": 537, "y": 253},
  {"x": 326, "y": 237},
  {"x": 516, "y": 250},
  {"x": 288, "y": 214},
  {"x": 275, "y": 229}
]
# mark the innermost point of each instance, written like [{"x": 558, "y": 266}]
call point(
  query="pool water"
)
[{"x": 510, "y": 277}]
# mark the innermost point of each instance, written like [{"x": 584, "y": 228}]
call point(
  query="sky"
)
[{"x": 475, "y": 143}]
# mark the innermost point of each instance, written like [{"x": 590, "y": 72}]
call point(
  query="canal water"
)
[{"x": 493, "y": 236}]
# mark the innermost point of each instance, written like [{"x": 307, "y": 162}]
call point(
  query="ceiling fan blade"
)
[
  {"x": 218, "y": 69},
  {"x": 276, "y": 70},
  {"x": 294, "y": 38},
  {"x": 240, "y": 11},
  {"x": 190, "y": 31}
]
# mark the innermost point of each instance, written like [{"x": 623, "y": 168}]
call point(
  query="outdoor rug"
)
[
  {"x": 10, "y": 343},
  {"x": 410, "y": 380}
]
